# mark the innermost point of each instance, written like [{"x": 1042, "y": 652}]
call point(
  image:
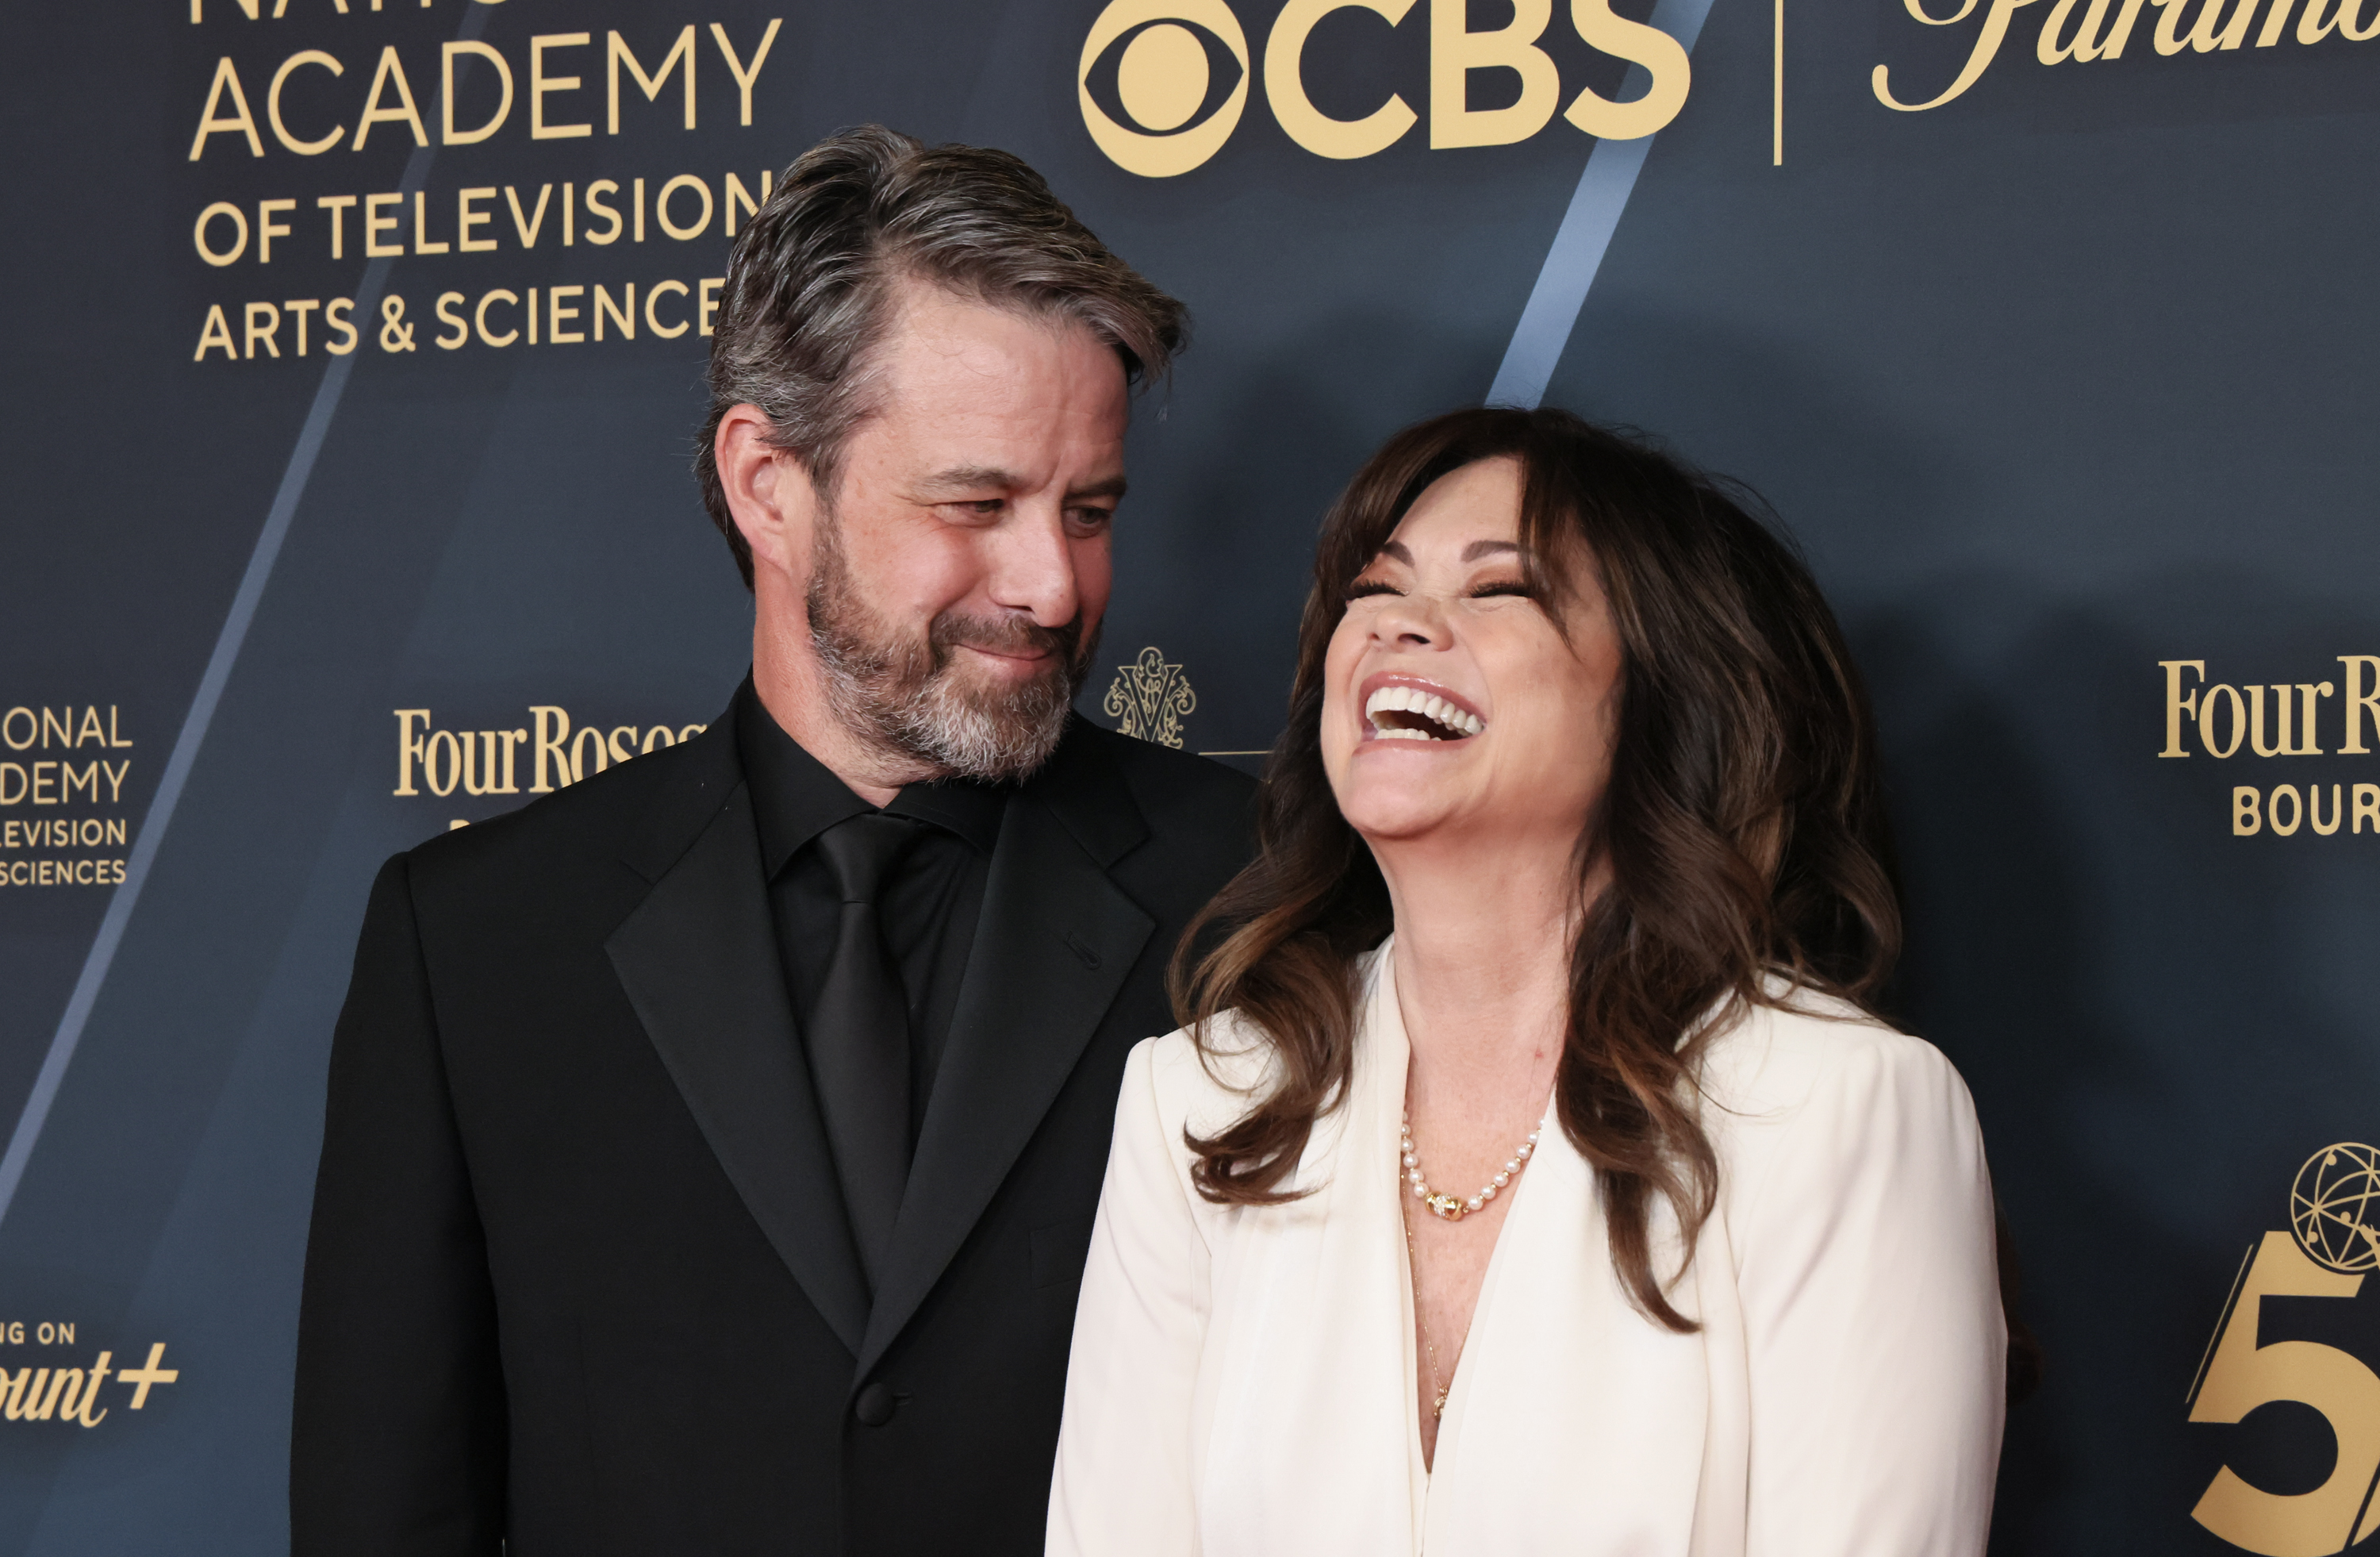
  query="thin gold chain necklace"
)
[{"x": 1429, "y": 1348}]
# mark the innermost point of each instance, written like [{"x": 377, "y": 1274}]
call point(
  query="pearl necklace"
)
[{"x": 1447, "y": 1206}]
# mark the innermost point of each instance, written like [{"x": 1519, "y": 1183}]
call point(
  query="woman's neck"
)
[{"x": 1483, "y": 940}]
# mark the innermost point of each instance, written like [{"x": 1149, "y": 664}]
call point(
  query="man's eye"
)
[{"x": 1092, "y": 519}]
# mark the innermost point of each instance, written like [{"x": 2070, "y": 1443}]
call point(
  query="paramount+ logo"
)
[{"x": 1163, "y": 83}]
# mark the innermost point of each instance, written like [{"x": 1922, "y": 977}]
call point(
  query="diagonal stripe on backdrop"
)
[
  {"x": 1586, "y": 232},
  {"x": 137, "y": 867}
]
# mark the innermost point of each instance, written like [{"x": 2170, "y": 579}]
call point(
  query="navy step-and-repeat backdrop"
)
[{"x": 351, "y": 352}]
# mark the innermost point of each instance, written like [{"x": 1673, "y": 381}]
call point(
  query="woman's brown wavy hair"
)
[{"x": 1744, "y": 829}]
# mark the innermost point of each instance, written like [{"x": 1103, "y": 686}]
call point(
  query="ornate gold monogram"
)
[{"x": 1151, "y": 699}]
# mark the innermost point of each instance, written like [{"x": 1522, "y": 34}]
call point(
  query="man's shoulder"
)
[
  {"x": 1170, "y": 826},
  {"x": 1170, "y": 787},
  {"x": 628, "y": 816}
]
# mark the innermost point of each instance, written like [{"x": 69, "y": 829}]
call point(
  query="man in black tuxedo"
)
[{"x": 712, "y": 1147}]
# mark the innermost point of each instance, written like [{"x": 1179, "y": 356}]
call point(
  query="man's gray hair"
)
[{"x": 812, "y": 278}]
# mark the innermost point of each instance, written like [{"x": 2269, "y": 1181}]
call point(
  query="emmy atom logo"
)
[{"x": 2332, "y": 1244}]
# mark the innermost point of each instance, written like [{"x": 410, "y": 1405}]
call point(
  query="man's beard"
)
[{"x": 907, "y": 697}]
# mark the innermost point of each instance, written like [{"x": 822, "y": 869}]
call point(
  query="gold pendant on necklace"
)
[{"x": 1450, "y": 1208}]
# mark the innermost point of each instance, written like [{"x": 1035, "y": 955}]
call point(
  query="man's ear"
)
[{"x": 769, "y": 493}]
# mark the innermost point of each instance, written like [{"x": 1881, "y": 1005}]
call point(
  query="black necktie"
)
[{"x": 859, "y": 1041}]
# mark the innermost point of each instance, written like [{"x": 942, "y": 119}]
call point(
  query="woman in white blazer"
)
[{"x": 1529, "y": 1175}]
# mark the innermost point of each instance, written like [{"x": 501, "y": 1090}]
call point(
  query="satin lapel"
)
[
  {"x": 699, "y": 960},
  {"x": 1052, "y": 950}
]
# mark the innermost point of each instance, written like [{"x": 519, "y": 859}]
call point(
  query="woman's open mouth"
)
[{"x": 1412, "y": 713}]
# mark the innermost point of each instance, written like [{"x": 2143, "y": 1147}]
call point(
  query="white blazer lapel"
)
[
  {"x": 1575, "y": 1425},
  {"x": 1312, "y": 1348}
]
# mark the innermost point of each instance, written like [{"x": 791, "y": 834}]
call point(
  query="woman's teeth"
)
[{"x": 1411, "y": 714}]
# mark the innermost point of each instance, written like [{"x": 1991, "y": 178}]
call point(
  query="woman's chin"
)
[{"x": 1382, "y": 811}]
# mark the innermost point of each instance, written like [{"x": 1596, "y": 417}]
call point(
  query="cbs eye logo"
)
[
  {"x": 1162, "y": 83},
  {"x": 1168, "y": 106}
]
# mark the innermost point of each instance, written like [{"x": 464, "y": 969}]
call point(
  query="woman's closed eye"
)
[
  {"x": 1519, "y": 587},
  {"x": 1366, "y": 589}
]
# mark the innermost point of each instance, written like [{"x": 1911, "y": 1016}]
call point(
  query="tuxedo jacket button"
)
[{"x": 875, "y": 1405}]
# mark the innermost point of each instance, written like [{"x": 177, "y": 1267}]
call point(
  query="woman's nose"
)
[{"x": 1413, "y": 620}]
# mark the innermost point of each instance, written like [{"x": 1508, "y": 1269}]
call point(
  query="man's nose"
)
[{"x": 1032, "y": 565}]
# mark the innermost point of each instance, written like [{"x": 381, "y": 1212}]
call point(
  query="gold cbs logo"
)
[
  {"x": 1163, "y": 83},
  {"x": 2332, "y": 1244}
]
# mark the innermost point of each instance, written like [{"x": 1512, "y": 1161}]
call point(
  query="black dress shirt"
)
[{"x": 930, "y": 902}]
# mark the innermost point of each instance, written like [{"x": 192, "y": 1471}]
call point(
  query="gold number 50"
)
[{"x": 2244, "y": 1376}]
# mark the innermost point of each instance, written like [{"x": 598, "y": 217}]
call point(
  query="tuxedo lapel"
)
[
  {"x": 1055, "y": 943},
  {"x": 699, "y": 961}
]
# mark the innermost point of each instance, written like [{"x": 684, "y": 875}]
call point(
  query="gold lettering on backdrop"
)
[
  {"x": 680, "y": 58},
  {"x": 321, "y": 61},
  {"x": 1150, "y": 698},
  {"x": 25, "y": 729},
  {"x": 1455, "y": 51},
  {"x": 408, "y": 748},
  {"x": 2331, "y": 1244},
  {"x": 66, "y": 1386},
  {"x": 2084, "y": 32},
  {"x": 1979, "y": 59},
  {"x": 1285, "y": 86},
  {"x": 2283, "y": 809},
  {"x": 2283, "y": 720},
  {"x": 430, "y": 762},
  {"x": 83, "y": 1412},
  {"x": 390, "y": 98},
  {"x": 2320, "y": 18},
  {"x": 2359, "y": 702},
  {"x": 214, "y": 121},
  {"x": 2202, "y": 37},
  {"x": 61, "y": 1395},
  {"x": 2091, "y": 40},
  {"x": 2313, "y": 810},
  {"x": 486, "y": 761},
  {"x": 734, "y": 197},
  {"x": 2179, "y": 703},
  {"x": 541, "y": 86},
  {"x": 147, "y": 1375},
  {"x": 578, "y": 748},
  {"x": 69, "y": 1395},
  {"x": 746, "y": 74},
  {"x": 2307, "y": 693},
  {"x": 2272, "y": 810},
  {"x": 549, "y": 745},
  {"x": 1157, "y": 60},
  {"x": 448, "y": 55},
  {"x": 2206, "y": 719},
  {"x": 2280, "y": 748},
  {"x": 494, "y": 321},
  {"x": 391, "y": 72},
  {"x": 1663, "y": 57},
  {"x": 2247, "y": 811},
  {"x": 83, "y": 776}
]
